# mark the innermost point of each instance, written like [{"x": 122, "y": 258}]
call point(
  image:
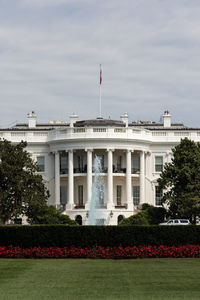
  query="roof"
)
[
  {"x": 159, "y": 126},
  {"x": 99, "y": 122}
]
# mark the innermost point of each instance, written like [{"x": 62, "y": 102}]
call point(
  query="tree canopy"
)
[
  {"x": 49, "y": 215},
  {"x": 21, "y": 188},
  {"x": 180, "y": 180},
  {"x": 149, "y": 215}
]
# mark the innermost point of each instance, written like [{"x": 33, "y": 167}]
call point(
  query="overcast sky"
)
[{"x": 50, "y": 51}]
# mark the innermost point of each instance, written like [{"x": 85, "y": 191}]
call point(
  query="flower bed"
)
[{"x": 102, "y": 252}]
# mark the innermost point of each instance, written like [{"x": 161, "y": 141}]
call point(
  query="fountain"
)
[{"x": 96, "y": 214}]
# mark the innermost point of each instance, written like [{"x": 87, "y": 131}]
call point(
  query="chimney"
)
[
  {"x": 73, "y": 118},
  {"x": 31, "y": 119},
  {"x": 166, "y": 119},
  {"x": 124, "y": 119}
]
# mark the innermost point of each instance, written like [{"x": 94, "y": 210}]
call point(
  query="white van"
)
[{"x": 177, "y": 222}]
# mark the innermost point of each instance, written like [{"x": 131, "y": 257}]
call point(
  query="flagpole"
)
[
  {"x": 100, "y": 92},
  {"x": 100, "y": 101}
]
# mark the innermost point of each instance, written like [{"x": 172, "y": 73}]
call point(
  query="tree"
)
[
  {"x": 155, "y": 215},
  {"x": 149, "y": 215},
  {"x": 138, "y": 219},
  {"x": 49, "y": 215},
  {"x": 21, "y": 188},
  {"x": 181, "y": 181}
]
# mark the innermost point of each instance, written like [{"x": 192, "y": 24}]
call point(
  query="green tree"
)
[
  {"x": 49, "y": 215},
  {"x": 20, "y": 186},
  {"x": 181, "y": 181},
  {"x": 138, "y": 219},
  {"x": 155, "y": 215},
  {"x": 149, "y": 215}
]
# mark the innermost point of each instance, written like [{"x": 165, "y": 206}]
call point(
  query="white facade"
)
[{"x": 132, "y": 158}]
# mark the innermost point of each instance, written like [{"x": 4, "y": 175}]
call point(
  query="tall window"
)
[
  {"x": 136, "y": 164},
  {"x": 136, "y": 195},
  {"x": 63, "y": 164},
  {"x": 119, "y": 162},
  {"x": 63, "y": 194},
  {"x": 80, "y": 195},
  {"x": 158, "y": 195},
  {"x": 41, "y": 163},
  {"x": 80, "y": 162},
  {"x": 119, "y": 194},
  {"x": 158, "y": 163}
]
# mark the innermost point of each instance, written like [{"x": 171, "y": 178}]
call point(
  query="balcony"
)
[
  {"x": 79, "y": 206},
  {"x": 118, "y": 169},
  {"x": 121, "y": 206},
  {"x": 135, "y": 171},
  {"x": 63, "y": 171},
  {"x": 81, "y": 170}
]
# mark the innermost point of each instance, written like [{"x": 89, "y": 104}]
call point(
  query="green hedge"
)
[{"x": 107, "y": 236}]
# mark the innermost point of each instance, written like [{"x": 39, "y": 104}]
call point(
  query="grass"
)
[{"x": 99, "y": 279}]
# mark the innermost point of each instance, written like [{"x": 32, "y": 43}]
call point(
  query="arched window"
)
[
  {"x": 120, "y": 217},
  {"x": 78, "y": 219}
]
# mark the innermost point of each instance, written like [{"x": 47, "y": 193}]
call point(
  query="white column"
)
[
  {"x": 70, "y": 203},
  {"x": 110, "y": 203},
  {"x": 57, "y": 178},
  {"x": 128, "y": 181},
  {"x": 142, "y": 178},
  {"x": 89, "y": 178}
]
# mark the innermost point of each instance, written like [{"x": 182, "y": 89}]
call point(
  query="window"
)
[
  {"x": 158, "y": 163},
  {"x": 136, "y": 195},
  {"x": 63, "y": 194},
  {"x": 136, "y": 164},
  {"x": 158, "y": 195},
  {"x": 63, "y": 164},
  {"x": 100, "y": 222},
  {"x": 119, "y": 194},
  {"x": 119, "y": 218},
  {"x": 78, "y": 219},
  {"x": 80, "y": 162},
  {"x": 119, "y": 162},
  {"x": 41, "y": 163},
  {"x": 80, "y": 195}
]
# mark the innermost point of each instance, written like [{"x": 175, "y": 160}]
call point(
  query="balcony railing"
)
[
  {"x": 118, "y": 170},
  {"x": 135, "y": 171},
  {"x": 83, "y": 170},
  {"x": 80, "y": 170},
  {"x": 63, "y": 171},
  {"x": 121, "y": 206}
]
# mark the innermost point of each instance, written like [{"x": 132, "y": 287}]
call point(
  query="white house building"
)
[{"x": 132, "y": 157}]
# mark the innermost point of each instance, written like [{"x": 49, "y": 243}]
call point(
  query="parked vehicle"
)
[{"x": 177, "y": 222}]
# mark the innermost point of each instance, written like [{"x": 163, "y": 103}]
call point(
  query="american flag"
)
[{"x": 100, "y": 75}]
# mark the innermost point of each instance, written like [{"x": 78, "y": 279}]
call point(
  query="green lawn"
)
[{"x": 99, "y": 279}]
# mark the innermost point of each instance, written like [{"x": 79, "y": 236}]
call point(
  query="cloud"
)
[
  {"x": 149, "y": 52},
  {"x": 45, "y": 3}
]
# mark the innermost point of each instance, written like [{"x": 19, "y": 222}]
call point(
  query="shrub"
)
[
  {"x": 155, "y": 215},
  {"x": 105, "y": 236},
  {"x": 51, "y": 216},
  {"x": 140, "y": 218},
  {"x": 149, "y": 215}
]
